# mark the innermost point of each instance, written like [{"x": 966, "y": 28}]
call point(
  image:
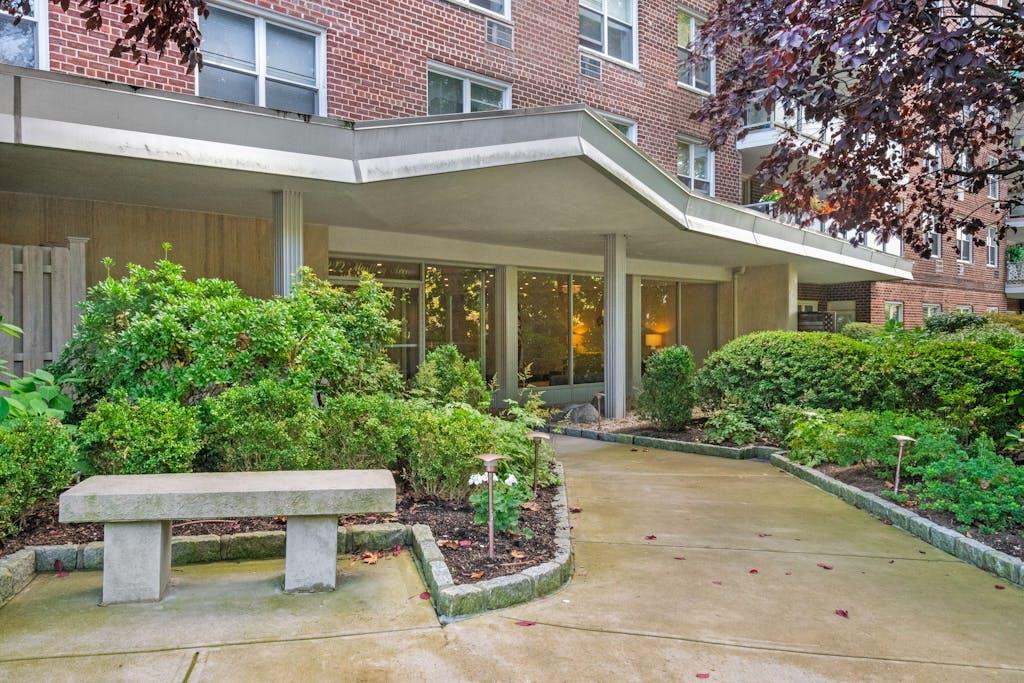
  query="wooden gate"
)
[{"x": 40, "y": 288}]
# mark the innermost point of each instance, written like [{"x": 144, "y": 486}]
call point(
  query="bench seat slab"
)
[
  {"x": 136, "y": 561},
  {"x": 311, "y": 554}
]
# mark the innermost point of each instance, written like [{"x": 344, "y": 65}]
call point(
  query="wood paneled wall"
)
[{"x": 235, "y": 248}]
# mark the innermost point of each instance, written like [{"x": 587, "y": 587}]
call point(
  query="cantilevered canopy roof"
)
[{"x": 554, "y": 178}]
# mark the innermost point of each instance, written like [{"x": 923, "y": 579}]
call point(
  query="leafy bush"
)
[
  {"x": 954, "y": 321},
  {"x": 963, "y": 382},
  {"x": 445, "y": 376},
  {"x": 978, "y": 488},
  {"x": 509, "y": 495},
  {"x": 264, "y": 426},
  {"x": 1014, "y": 320},
  {"x": 37, "y": 462},
  {"x": 38, "y": 393},
  {"x": 510, "y": 440},
  {"x": 861, "y": 331},
  {"x": 667, "y": 388},
  {"x": 865, "y": 437},
  {"x": 998, "y": 335},
  {"x": 144, "y": 436},
  {"x": 449, "y": 438},
  {"x": 369, "y": 431},
  {"x": 729, "y": 424},
  {"x": 765, "y": 369},
  {"x": 155, "y": 334}
]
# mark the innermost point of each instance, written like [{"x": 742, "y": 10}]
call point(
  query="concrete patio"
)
[{"x": 632, "y": 612}]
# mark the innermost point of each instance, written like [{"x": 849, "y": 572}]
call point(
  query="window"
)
[
  {"x": 893, "y": 245},
  {"x": 620, "y": 123},
  {"x": 806, "y": 306},
  {"x": 26, "y": 44},
  {"x": 964, "y": 246},
  {"x": 992, "y": 248},
  {"x": 929, "y": 310},
  {"x": 695, "y": 166},
  {"x": 963, "y": 164},
  {"x": 894, "y": 311},
  {"x": 608, "y": 28},
  {"x": 965, "y": 308},
  {"x": 452, "y": 91},
  {"x": 933, "y": 159},
  {"x": 659, "y": 312},
  {"x": 845, "y": 310},
  {"x": 991, "y": 309},
  {"x": 499, "y": 7},
  {"x": 993, "y": 180},
  {"x": 268, "y": 61},
  {"x": 693, "y": 70},
  {"x": 930, "y": 225}
]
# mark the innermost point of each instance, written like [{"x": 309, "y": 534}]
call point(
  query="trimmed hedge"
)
[
  {"x": 37, "y": 462},
  {"x": 666, "y": 388}
]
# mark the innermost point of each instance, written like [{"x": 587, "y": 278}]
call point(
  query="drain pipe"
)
[{"x": 736, "y": 272}]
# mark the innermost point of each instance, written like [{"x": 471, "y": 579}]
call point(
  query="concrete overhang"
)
[{"x": 556, "y": 178}]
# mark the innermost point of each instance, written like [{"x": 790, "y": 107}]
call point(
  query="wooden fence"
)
[{"x": 40, "y": 288}]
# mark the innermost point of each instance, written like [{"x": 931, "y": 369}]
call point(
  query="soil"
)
[
  {"x": 451, "y": 523},
  {"x": 632, "y": 424},
  {"x": 863, "y": 477}
]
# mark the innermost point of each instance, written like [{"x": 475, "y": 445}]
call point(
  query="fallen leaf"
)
[
  {"x": 789, "y": 573},
  {"x": 825, "y": 566},
  {"x": 762, "y": 535},
  {"x": 680, "y": 557},
  {"x": 892, "y": 561},
  {"x": 476, "y": 575},
  {"x": 575, "y": 511},
  {"x": 465, "y": 543},
  {"x": 752, "y": 571},
  {"x": 1000, "y": 587},
  {"x": 447, "y": 543},
  {"x": 397, "y": 550},
  {"x": 370, "y": 557},
  {"x": 703, "y": 675},
  {"x": 634, "y": 450},
  {"x": 922, "y": 552},
  {"x": 717, "y": 583},
  {"x": 650, "y": 537},
  {"x": 531, "y": 505},
  {"x": 58, "y": 566},
  {"x": 518, "y": 554},
  {"x": 842, "y": 613},
  {"x": 525, "y": 622},
  {"x": 425, "y": 595}
]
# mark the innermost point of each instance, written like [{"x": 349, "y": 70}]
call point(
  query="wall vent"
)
[
  {"x": 938, "y": 266},
  {"x": 499, "y": 34},
  {"x": 590, "y": 66},
  {"x": 959, "y": 269}
]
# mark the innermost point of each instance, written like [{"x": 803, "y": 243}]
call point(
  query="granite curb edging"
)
[
  {"x": 945, "y": 539},
  {"x": 734, "y": 452}
]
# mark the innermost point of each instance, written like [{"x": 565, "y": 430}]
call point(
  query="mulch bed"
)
[
  {"x": 631, "y": 424},
  {"x": 863, "y": 477},
  {"x": 451, "y": 523}
]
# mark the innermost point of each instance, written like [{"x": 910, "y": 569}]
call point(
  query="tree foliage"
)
[{"x": 892, "y": 81}]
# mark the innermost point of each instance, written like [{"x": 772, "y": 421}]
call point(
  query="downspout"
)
[{"x": 736, "y": 272}]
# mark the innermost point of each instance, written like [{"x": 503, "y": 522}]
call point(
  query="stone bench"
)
[{"x": 137, "y": 511}]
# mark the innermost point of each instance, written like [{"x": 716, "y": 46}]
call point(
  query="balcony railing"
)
[
  {"x": 1015, "y": 273},
  {"x": 771, "y": 209},
  {"x": 759, "y": 119}
]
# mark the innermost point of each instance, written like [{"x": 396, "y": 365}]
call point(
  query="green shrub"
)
[
  {"x": 445, "y": 376},
  {"x": 667, "y": 388},
  {"x": 264, "y": 426},
  {"x": 37, "y": 462},
  {"x": 861, "y": 331},
  {"x": 1014, "y": 320},
  {"x": 978, "y": 488},
  {"x": 998, "y": 335},
  {"x": 509, "y": 495},
  {"x": 144, "y": 436},
  {"x": 865, "y": 437},
  {"x": 729, "y": 424},
  {"x": 369, "y": 431},
  {"x": 449, "y": 439},
  {"x": 962, "y": 382},
  {"x": 765, "y": 369},
  {"x": 511, "y": 441},
  {"x": 954, "y": 321}
]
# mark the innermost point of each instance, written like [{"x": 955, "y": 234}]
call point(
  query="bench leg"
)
[
  {"x": 311, "y": 554},
  {"x": 136, "y": 561}
]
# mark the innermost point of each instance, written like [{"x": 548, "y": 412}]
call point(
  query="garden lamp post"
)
[
  {"x": 903, "y": 441},
  {"x": 490, "y": 466},
  {"x": 537, "y": 437}
]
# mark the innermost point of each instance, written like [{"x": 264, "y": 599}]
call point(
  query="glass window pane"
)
[
  {"x": 229, "y": 39},
  {"x": 227, "y": 85},
  {"x": 339, "y": 267},
  {"x": 684, "y": 30},
  {"x": 700, "y": 162},
  {"x": 590, "y": 29},
  {"x": 18, "y": 43},
  {"x": 587, "y": 329},
  {"x": 659, "y": 315},
  {"x": 482, "y": 98},
  {"x": 620, "y": 41},
  {"x": 459, "y": 305},
  {"x": 405, "y": 308},
  {"x": 702, "y": 74},
  {"x": 444, "y": 94},
  {"x": 289, "y": 97},
  {"x": 683, "y": 160},
  {"x": 592, "y": 4},
  {"x": 493, "y": 5},
  {"x": 291, "y": 55},
  {"x": 544, "y": 328},
  {"x": 621, "y": 10}
]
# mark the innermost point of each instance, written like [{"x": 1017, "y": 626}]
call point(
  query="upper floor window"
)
[
  {"x": 453, "y": 91},
  {"x": 609, "y": 27},
  {"x": 620, "y": 123},
  {"x": 695, "y": 166},
  {"x": 266, "y": 60},
  {"x": 930, "y": 226},
  {"x": 933, "y": 159},
  {"x": 694, "y": 70},
  {"x": 500, "y": 7},
  {"x": 26, "y": 44},
  {"x": 992, "y": 248},
  {"x": 993, "y": 180},
  {"x": 964, "y": 246}
]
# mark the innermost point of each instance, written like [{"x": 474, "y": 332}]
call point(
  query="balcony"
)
[
  {"x": 763, "y": 129},
  {"x": 772, "y": 210},
  {"x": 1015, "y": 280},
  {"x": 1015, "y": 218}
]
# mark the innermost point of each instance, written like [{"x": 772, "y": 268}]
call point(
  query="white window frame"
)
[
  {"x": 964, "y": 308},
  {"x": 696, "y": 18},
  {"x": 260, "y": 18},
  {"x": 711, "y": 163},
  {"x": 622, "y": 121},
  {"x": 963, "y": 163},
  {"x": 993, "y": 180},
  {"x": 604, "y": 38},
  {"x": 468, "y": 78},
  {"x": 936, "y": 309},
  {"x": 899, "y": 305},
  {"x": 962, "y": 241},
  {"x": 992, "y": 248},
  {"x": 41, "y": 18},
  {"x": 926, "y": 220},
  {"x": 505, "y": 16},
  {"x": 807, "y": 306},
  {"x": 933, "y": 159}
]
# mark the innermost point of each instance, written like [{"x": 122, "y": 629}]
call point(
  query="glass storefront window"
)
[
  {"x": 544, "y": 328},
  {"x": 459, "y": 310},
  {"x": 587, "y": 329},
  {"x": 382, "y": 270},
  {"x": 659, "y": 311}
]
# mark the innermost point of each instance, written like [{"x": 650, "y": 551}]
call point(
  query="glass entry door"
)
[{"x": 405, "y": 308}]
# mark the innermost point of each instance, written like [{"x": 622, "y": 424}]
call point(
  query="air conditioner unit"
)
[
  {"x": 590, "y": 66},
  {"x": 499, "y": 34},
  {"x": 938, "y": 266},
  {"x": 959, "y": 269}
]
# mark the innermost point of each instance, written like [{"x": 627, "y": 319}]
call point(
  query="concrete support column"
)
[
  {"x": 765, "y": 298},
  {"x": 506, "y": 317},
  {"x": 136, "y": 561},
  {"x": 287, "y": 228},
  {"x": 615, "y": 324},
  {"x": 311, "y": 554},
  {"x": 635, "y": 333}
]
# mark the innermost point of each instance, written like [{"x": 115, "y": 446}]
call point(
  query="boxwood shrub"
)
[
  {"x": 446, "y": 376},
  {"x": 37, "y": 462},
  {"x": 666, "y": 388}
]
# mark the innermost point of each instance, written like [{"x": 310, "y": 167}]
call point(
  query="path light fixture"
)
[
  {"x": 537, "y": 437},
  {"x": 490, "y": 466},
  {"x": 600, "y": 407},
  {"x": 903, "y": 441}
]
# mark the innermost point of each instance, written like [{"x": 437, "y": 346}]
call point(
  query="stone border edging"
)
[
  {"x": 948, "y": 540},
  {"x": 734, "y": 452}
]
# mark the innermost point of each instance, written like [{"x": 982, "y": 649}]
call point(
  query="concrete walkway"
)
[{"x": 633, "y": 611}]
